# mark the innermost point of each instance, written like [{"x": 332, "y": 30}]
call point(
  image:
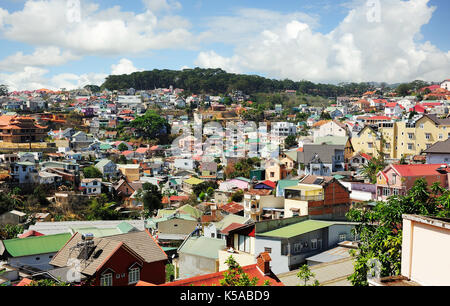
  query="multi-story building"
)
[
  {"x": 19, "y": 129},
  {"x": 405, "y": 138}
]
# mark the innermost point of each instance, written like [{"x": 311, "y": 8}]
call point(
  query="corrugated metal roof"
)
[
  {"x": 203, "y": 246},
  {"x": 296, "y": 229},
  {"x": 36, "y": 245}
]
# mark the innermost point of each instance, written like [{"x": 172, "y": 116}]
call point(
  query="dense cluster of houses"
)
[{"x": 292, "y": 205}]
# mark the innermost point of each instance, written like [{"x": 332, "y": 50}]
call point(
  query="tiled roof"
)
[
  {"x": 417, "y": 169},
  {"x": 232, "y": 207},
  {"x": 213, "y": 279}
]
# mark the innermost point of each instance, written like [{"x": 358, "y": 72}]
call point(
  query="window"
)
[
  {"x": 244, "y": 243},
  {"x": 394, "y": 178},
  {"x": 370, "y": 145},
  {"x": 342, "y": 237},
  {"x": 297, "y": 247},
  {"x": 314, "y": 244},
  {"x": 421, "y": 126},
  {"x": 272, "y": 174},
  {"x": 427, "y": 135},
  {"x": 268, "y": 250},
  {"x": 395, "y": 191},
  {"x": 213, "y": 235},
  {"x": 441, "y": 136},
  {"x": 106, "y": 279},
  {"x": 386, "y": 192},
  {"x": 410, "y": 146},
  {"x": 410, "y": 135},
  {"x": 134, "y": 275}
]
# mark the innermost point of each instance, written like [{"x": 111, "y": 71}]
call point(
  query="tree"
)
[
  {"x": 48, "y": 283},
  {"x": 238, "y": 196},
  {"x": 101, "y": 209},
  {"x": 290, "y": 141},
  {"x": 150, "y": 196},
  {"x": 235, "y": 275},
  {"x": 380, "y": 229},
  {"x": 122, "y": 147},
  {"x": 9, "y": 231},
  {"x": 325, "y": 116},
  {"x": 305, "y": 274},
  {"x": 371, "y": 169},
  {"x": 151, "y": 126},
  {"x": 92, "y": 172},
  {"x": 403, "y": 90},
  {"x": 3, "y": 90}
]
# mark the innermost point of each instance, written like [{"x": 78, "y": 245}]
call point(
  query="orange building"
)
[{"x": 19, "y": 129}]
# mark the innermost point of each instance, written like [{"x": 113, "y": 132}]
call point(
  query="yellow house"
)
[
  {"x": 397, "y": 139},
  {"x": 297, "y": 198},
  {"x": 131, "y": 172}
]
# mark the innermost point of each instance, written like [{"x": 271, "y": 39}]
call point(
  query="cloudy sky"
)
[{"x": 71, "y": 43}]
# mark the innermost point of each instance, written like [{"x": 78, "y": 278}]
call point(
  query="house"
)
[
  {"x": 20, "y": 129},
  {"x": 241, "y": 183},
  {"x": 198, "y": 255},
  {"x": 189, "y": 184},
  {"x": 321, "y": 159},
  {"x": 81, "y": 140},
  {"x": 398, "y": 179},
  {"x": 318, "y": 197},
  {"x": 393, "y": 109},
  {"x": 208, "y": 169},
  {"x": 283, "y": 184},
  {"x": 107, "y": 168},
  {"x": 176, "y": 226},
  {"x": 260, "y": 204},
  {"x": 268, "y": 185},
  {"x": 261, "y": 270},
  {"x": 359, "y": 160},
  {"x": 184, "y": 164},
  {"x": 275, "y": 171},
  {"x": 425, "y": 246},
  {"x": 214, "y": 229},
  {"x": 446, "y": 85},
  {"x": 119, "y": 260},
  {"x": 24, "y": 172},
  {"x": 91, "y": 186},
  {"x": 130, "y": 172},
  {"x": 232, "y": 208},
  {"x": 331, "y": 127},
  {"x": 33, "y": 254},
  {"x": 290, "y": 244},
  {"x": 13, "y": 217},
  {"x": 439, "y": 153}
]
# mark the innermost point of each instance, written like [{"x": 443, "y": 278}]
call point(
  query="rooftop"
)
[{"x": 296, "y": 229}]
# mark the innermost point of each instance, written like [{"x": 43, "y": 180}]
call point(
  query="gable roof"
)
[
  {"x": 36, "y": 244},
  {"x": 141, "y": 244},
  {"x": 439, "y": 147},
  {"x": 232, "y": 207},
  {"x": 416, "y": 169}
]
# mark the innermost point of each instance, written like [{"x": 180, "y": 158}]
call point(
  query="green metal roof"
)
[
  {"x": 296, "y": 229},
  {"x": 286, "y": 183},
  {"x": 97, "y": 232},
  {"x": 36, "y": 245},
  {"x": 203, "y": 246},
  {"x": 193, "y": 181},
  {"x": 125, "y": 227}
]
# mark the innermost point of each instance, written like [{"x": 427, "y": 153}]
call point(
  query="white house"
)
[
  {"x": 446, "y": 84},
  {"x": 331, "y": 128},
  {"x": 393, "y": 109},
  {"x": 91, "y": 186}
]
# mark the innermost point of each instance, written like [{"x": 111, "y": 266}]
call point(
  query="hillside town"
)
[{"x": 169, "y": 187}]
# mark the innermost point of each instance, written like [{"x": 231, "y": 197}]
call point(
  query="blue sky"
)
[{"x": 327, "y": 41}]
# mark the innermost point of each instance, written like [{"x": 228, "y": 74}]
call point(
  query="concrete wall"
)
[
  {"x": 279, "y": 263},
  {"x": 39, "y": 261},
  {"x": 191, "y": 265},
  {"x": 425, "y": 253}
]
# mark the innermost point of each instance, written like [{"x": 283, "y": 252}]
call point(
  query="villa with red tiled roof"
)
[
  {"x": 20, "y": 129},
  {"x": 398, "y": 179}
]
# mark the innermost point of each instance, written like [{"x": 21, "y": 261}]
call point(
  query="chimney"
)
[{"x": 263, "y": 262}]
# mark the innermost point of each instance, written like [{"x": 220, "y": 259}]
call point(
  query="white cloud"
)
[
  {"x": 96, "y": 32},
  {"x": 41, "y": 57},
  {"x": 161, "y": 5},
  {"x": 358, "y": 49},
  {"x": 125, "y": 66}
]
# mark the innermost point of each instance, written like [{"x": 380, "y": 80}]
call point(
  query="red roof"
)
[
  {"x": 366, "y": 156},
  {"x": 213, "y": 279},
  {"x": 379, "y": 118},
  {"x": 231, "y": 227},
  {"x": 24, "y": 282},
  {"x": 270, "y": 184},
  {"x": 417, "y": 169},
  {"x": 232, "y": 207},
  {"x": 30, "y": 233}
]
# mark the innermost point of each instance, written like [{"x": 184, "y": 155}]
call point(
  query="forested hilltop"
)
[{"x": 218, "y": 81}]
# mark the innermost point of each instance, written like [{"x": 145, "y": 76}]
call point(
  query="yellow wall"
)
[{"x": 396, "y": 138}]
